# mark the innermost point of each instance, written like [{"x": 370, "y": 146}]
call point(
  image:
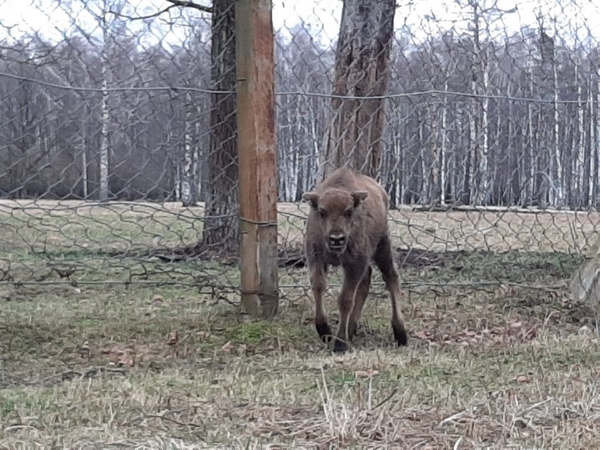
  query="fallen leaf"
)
[
  {"x": 227, "y": 347},
  {"x": 157, "y": 298},
  {"x": 125, "y": 360},
  {"x": 520, "y": 423},
  {"x": 424, "y": 334},
  {"x": 173, "y": 338},
  {"x": 366, "y": 373},
  {"x": 532, "y": 333},
  {"x": 523, "y": 379},
  {"x": 554, "y": 316},
  {"x": 119, "y": 356},
  {"x": 585, "y": 330}
]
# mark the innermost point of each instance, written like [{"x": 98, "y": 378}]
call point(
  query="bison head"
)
[{"x": 335, "y": 209}]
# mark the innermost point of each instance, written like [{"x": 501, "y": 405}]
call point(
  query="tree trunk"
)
[
  {"x": 312, "y": 163},
  {"x": 104, "y": 129},
  {"x": 355, "y": 132},
  {"x": 580, "y": 160},
  {"x": 593, "y": 182},
  {"x": 221, "y": 231},
  {"x": 435, "y": 188},
  {"x": 557, "y": 162},
  {"x": 177, "y": 167},
  {"x": 83, "y": 143},
  {"x": 424, "y": 178},
  {"x": 189, "y": 181},
  {"x": 596, "y": 141},
  {"x": 485, "y": 183},
  {"x": 471, "y": 174},
  {"x": 443, "y": 147},
  {"x": 516, "y": 156},
  {"x": 530, "y": 142}
]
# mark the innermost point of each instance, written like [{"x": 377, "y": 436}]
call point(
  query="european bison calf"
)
[{"x": 347, "y": 226}]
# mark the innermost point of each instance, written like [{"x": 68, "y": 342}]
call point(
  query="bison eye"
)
[
  {"x": 348, "y": 213},
  {"x": 322, "y": 213}
]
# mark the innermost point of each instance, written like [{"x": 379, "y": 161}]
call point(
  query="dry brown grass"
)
[
  {"x": 507, "y": 369},
  {"x": 95, "y": 366},
  {"x": 469, "y": 230},
  {"x": 124, "y": 225}
]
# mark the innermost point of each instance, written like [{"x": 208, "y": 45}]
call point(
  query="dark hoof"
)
[
  {"x": 324, "y": 332},
  {"x": 339, "y": 346},
  {"x": 401, "y": 337}
]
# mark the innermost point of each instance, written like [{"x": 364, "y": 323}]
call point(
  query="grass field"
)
[{"x": 148, "y": 366}]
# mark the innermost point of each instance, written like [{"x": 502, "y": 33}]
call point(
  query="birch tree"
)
[
  {"x": 579, "y": 160},
  {"x": 107, "y": 20},
  {"x": 595, "y": 129},
  {"x": 189, "y": 169}
]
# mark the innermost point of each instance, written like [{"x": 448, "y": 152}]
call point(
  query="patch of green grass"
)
[{"x": 256, "y": 332}]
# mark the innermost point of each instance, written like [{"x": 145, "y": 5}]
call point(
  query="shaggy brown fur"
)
[{"x": 347, "y": 226}]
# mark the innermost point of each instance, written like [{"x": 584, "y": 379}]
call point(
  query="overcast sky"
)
[{"x": 51, "y": 18}]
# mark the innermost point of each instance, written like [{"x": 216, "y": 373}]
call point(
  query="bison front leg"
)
[
  {"x": 353, "y": 277},
  {"x": 385, "y": 262},
  {"x": 359, "y": 303},
  {"x": 318, "y": 282}
]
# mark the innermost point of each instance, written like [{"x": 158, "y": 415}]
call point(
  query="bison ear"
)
[
  {"x": 312, "y": 198},
  {"x": 358, "y": 197}
]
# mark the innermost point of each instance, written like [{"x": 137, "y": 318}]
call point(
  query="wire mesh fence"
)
[{"x": 118, "y": 146}]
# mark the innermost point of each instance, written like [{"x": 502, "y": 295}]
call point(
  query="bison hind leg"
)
[
  {"x": 400, "y": 334},
  {"x": 385, "y": 262}
]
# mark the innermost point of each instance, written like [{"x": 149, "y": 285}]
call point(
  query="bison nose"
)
[{"x": 337, "y": 240}]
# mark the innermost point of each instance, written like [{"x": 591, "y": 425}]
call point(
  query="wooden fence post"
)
[{"x": 257, "y": 157}]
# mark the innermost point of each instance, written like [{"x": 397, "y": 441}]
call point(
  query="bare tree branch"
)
[
  {"x": 190, "y": 4},
  {"x": 174, "y": 4},
  {"x": 149, "y": 16}
]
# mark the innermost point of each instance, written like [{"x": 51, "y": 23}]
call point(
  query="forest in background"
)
[{"x": 518, "y": 124}]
